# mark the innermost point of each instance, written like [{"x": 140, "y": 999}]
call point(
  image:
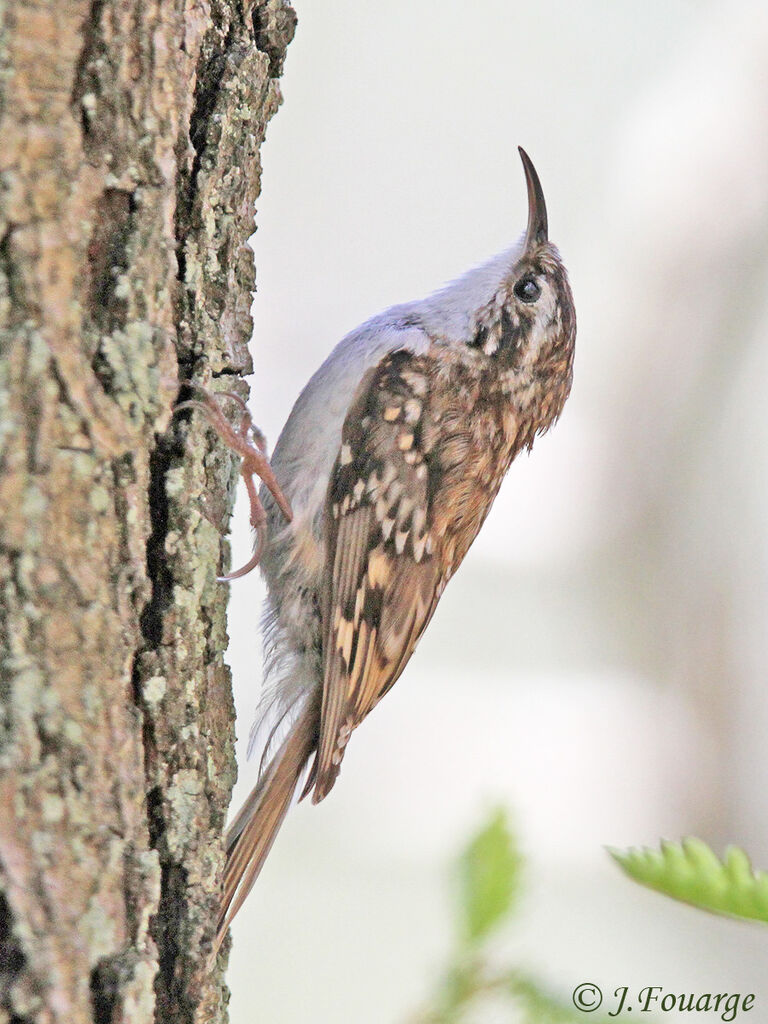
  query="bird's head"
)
[
  {"x": 516, "y": 312},
  {"x": 528, "y": 327}
]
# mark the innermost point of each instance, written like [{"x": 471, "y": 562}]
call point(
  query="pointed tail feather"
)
[{"x": 250, "y": 836}]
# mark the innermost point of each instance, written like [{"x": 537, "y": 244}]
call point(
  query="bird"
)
[{"x": 382, "y": 477}]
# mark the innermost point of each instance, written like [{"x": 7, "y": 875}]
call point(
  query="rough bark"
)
[{"x": 129, "y": 166}]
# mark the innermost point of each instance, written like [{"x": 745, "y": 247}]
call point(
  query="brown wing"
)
[{"x": 383, "y": 578}]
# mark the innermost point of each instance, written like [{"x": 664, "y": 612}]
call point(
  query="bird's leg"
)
[{"x": 249, "y": 443}]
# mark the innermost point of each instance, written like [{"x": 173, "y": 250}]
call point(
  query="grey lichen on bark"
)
[{"x": 129, "y": 166}]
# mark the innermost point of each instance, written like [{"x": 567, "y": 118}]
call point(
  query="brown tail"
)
[{"x": 250, "y": 836}]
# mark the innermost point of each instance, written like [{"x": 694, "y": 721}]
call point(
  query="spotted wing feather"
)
[{"x": 383, "y": 575}]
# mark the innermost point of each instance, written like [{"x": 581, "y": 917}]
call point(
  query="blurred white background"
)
[{"x": 599, "y": 665}]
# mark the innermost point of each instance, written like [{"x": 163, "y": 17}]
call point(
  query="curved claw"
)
[
  {"x": 235, "y": 398},
  {"x": 253, "y": 561},
  {"x": 255, "y": 463},
  {"x": 246, "y": 422},
  {"x": 192, "y": 403}
]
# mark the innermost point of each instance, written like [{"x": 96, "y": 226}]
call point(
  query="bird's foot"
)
[{"x": 247, "y": 441}]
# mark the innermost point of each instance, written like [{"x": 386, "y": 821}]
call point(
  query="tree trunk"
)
[{"x": 129, "y": 166}]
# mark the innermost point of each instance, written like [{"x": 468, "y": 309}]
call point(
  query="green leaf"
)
[
  {"x": 490, "y": 877},
  {"x": 691, "y": 872},
  {"x": 536, "y": 1005}
]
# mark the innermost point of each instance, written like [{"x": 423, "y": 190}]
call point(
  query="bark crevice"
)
[{"x": 124, "y": 271}]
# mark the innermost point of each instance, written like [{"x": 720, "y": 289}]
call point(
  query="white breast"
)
[{"x": 310, "y": 441}]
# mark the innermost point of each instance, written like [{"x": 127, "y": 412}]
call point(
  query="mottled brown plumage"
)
[
  {"x": 460, "y": 385},
  {"x": 425, "y": 447}
]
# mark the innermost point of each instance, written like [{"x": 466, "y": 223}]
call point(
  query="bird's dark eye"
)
[{"x": 527, "y": 289}]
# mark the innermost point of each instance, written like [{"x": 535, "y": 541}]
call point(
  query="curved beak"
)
[{"x": 537, "y": 208}]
